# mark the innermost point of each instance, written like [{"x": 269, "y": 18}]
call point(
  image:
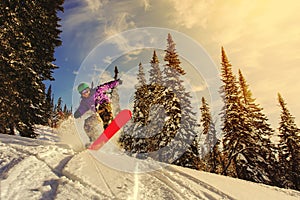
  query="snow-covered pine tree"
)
[
  {"x": 156, "y": 118},
  {"x": 210, "y": 153},
  {"x": 130, "y": 138},
  {"x": 8, "y": 97},
  {"x": 208, "y": 128},
  {"x": 289, "y": 149},
  {"x": 234, "y": 127},
  {"x": 65, "y": 110},
  {"x": 258, "y": 153},
  {"x": 145, "y": 135},
  {"x": 48, "y": 105},
  {"x": 185, "y": 142},
  {"x": 29, "y": 36},
  {"x": 155, "y": 72},
  {"x": 139, "y": 113},
  {"x": 59, "y": 105}
]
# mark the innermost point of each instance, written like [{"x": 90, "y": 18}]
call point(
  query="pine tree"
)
[
  {"x": 233, "y": 118},
  {"x": 171, "y": 57},
  {"x": 289, "y": 149},
  {"x": 208, "y": 128},
  {"x": 258, "y": 160},
  {"x": 30, "y": 34},
  {"x": 156, "y": 118},
  {"x": 147, "y": 135},
  {"x": 159, "y": 128},
  {"x": 59, "y": 105},
  {"x": 139, "y": 112},
  {"x": 211, "y": 156},
  {"x": 52, "y": 103},
  {"x": 155, "y": 72},
  {"x": 186, "y": 141},
  {"x": 65, "y": 110},
  {"x": 48, "y": 104},
  {"x": 132, "y": 131}
]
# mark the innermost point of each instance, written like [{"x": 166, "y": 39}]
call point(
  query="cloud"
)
[
  {"x": 120, "y": 22},
  {"x": 260, "y": 37},
  {"x": 192, "y": 13},
  {"x": 84, "y": 12},
  {"x": 75, "y": 72},
  {"x": 96, "y": 5},
  {"x": 108, "y": 60},
  {"x": 146, "y": 5},
  {"x": 92, "y": 21}
]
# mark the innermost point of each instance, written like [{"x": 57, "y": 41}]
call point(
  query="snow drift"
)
[{"x": 53, "y": 168}]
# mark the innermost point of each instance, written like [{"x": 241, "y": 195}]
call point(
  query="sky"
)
[{"x": 260, "y": 37}]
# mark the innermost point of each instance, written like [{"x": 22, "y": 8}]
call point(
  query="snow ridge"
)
[{"x": 48, "y": 169}]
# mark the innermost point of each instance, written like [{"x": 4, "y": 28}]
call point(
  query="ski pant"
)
[
  {"x": 92, "y": 123},
  {"x": 92, "y": 127},
  {"x": 104, "y": 110}
]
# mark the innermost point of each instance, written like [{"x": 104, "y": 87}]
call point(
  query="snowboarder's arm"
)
[
  {"x": 77, "y": 114},
  {"x": 81, "y": 110},
  {"x": 109, "y": 85}
]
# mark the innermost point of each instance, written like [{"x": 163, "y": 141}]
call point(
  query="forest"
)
[
  {"x": 164, "y": 127},
  {"x": 29, "y": 35}
]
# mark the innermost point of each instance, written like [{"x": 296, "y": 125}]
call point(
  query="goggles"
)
[{"x": 85, "y": 91}]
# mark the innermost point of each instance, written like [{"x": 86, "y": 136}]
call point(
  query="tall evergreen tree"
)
[
  {"x": 132, "y": 131},
  {"x": 208, "y": 128},
  {"x": 29, "y": 34},
  {"x": 171, "y": 104},
  {"x": 157, "y": 116},
  {"x": 258, "y": 159},
  {"x": 289, "y": 148},
  {"x": 211, "y": 155},
  {"x": 49, "y": 100},
  {"x": 59, "y": 105},
  {"x": 65, "y": 110},
  {"x": 48, "y": 104},
  {"x": 155, "y": 72},
  {"x": 233, "y": 118},
  {"x": 187, "y": 140},
  {"x": 149, "y": 132},
  {"x": 139, "y": 112}
]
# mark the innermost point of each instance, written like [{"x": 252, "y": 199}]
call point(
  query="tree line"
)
[
  {"x": 247, "y": 151},
  {"x": 164, "y": 127},
  {"x": 29, "y": 35},
  {"x": 56, "y": 112}
]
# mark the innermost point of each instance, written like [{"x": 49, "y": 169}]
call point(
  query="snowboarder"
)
[{"x": 96, "y": 100}]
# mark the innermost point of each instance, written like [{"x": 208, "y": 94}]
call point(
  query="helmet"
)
[{"x": 82, "y": 86}]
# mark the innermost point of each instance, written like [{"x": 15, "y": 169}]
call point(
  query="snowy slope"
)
[{"x": 48, "y": 169}]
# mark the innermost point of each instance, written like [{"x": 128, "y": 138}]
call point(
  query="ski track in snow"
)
[
  {"x": 34, "y": 160},
  {"x": 46, "y": 169},
  {"x": 193, "y": 184},
  {"x": 173, "y": 178}
]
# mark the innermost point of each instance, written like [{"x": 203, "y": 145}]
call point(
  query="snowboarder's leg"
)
[
  {"x": 105, "y": 114},
  {"x": 90, "y": 127}
]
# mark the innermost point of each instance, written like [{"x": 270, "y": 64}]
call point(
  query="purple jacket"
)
[
  {"x": 100, "y": 96},
  {"x": 97, "y": 96}
]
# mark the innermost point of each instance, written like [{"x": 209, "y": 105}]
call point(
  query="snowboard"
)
[{"x": 116, "y": 124}]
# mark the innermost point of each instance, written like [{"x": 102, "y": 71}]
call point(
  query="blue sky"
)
[{"x": 258, "y": 40}]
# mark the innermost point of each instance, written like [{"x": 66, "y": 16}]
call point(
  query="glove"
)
[
  {"x": 120, "y": 81},
  {"x": 77, "y": 114}
]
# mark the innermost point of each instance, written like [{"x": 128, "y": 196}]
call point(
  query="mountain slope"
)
[{"x": 48, "y": 169}]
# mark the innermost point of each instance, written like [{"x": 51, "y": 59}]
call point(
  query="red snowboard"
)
[{"x": 118, "y": 122}]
